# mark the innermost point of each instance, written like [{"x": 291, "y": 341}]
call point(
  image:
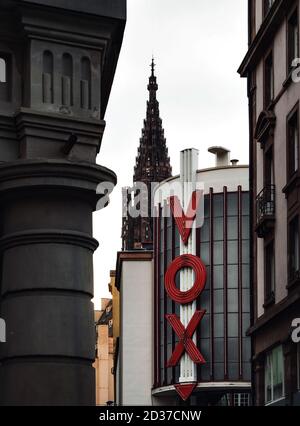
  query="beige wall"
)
[
  {"x": 104, "y": 362},
  {"x": 116, "y": 306}
]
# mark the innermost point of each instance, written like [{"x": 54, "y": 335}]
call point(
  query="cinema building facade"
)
[{"x": 179, "y": 345}]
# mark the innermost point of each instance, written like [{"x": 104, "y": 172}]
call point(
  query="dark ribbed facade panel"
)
[{"x": 223, "y": 245}]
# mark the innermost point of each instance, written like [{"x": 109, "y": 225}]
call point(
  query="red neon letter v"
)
[{"x": 184, "y": 221}]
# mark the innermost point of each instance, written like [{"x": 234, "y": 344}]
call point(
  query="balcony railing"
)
[{"x": 265, "y": 210}]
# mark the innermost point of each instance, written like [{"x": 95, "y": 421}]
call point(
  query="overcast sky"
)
[{"x": 198, "y": 46}]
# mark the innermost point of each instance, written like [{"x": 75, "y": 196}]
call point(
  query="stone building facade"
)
[
  {"x": 275, "y": 209},
  {"x": 58, "y": 60}
]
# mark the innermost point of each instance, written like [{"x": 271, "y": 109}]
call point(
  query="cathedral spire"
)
[
  {"x": 152, "y": 67},
  {"x": 152, "y": 86},
  {"x": 152, "y": 162},
  {"x": 152, "y": 166}
]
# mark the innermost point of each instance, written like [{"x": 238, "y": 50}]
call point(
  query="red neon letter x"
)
[{"x": 185, "y": 335}]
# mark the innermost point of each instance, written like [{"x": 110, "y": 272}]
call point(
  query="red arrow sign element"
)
[
  {"x": 185, "y": 390},
  {"x": 185, "y": 335}
]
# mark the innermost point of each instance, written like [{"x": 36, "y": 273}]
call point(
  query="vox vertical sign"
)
[{"x": 192, "y": 274}]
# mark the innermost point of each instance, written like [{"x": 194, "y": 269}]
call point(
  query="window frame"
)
[
  {"x": 241, "y": 400},
  {"x": 269, "y": 354},
  {"x": 294, "y": 113},
  {"x": 269, "y": 292},
  {"x": 269, "y": 83},
  {"x": 296, "y": 275},
  {"x": 292, "y": 15},
  {"x": 7, "y": 58},
  {"x": 269, "y": 170},
  {"x": 4, "y": 61}
]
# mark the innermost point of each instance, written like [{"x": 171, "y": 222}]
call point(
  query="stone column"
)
[
  {"x": 48, "y": 181},
  {"x": 47, "y": 281}
]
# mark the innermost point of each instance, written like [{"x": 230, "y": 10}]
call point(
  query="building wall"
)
[
  {"x": 136, "y": 340},
  {"x": 259, "y": 14},
  {"x": 116, "y": 307},
  {"x": 104, "y": 359},
  {"x": 273, "y": 311},
  {"x": 282, "y": 107}
]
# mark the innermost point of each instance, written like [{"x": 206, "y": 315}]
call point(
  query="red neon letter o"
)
[{"x": 185, "y": 261}]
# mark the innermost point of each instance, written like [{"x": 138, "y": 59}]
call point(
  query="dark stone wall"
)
[{"x": 109, "y": 8}]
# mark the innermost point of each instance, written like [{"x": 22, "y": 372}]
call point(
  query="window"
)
[
  {"x": 85, "y": 83},
  {"x": 268, "y": 168},
  {"x": 293, "y": 39},
  {"x": 274, "y": 375},
  {"x": 241, "y": 400},
  {"x": 269, "y": 272},
  {"x": 293, "y": 143},
  {"x": 2, "y": 70},
  {"x": 4, "y": 78},
  {"x": 294, "y": 256},
  {"x": 268, "y": 80},
  {"x": 48, "y": 68},
  {"x": 67, "y": 80},
  {"x": 267, "y": 4}
]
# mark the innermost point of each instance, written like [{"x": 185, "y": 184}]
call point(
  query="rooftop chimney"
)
[{"x": 222, "y": 155}]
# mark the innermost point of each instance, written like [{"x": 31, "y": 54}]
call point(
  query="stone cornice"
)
[
  {"x": 46, "y": 236},
  {"x": 54, "y": 175},
  {"x": 265, "y": 35}
]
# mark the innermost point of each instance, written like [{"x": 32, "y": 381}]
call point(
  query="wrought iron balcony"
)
[{"x": 265, "y": 211}]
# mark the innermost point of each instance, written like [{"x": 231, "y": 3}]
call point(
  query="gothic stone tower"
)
[
  {"x": 57, "y": 64},
  {"x": 152, "y": 165}
]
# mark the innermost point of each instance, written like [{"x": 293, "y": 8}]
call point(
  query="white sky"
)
[{"x": 198, "y": 46}]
